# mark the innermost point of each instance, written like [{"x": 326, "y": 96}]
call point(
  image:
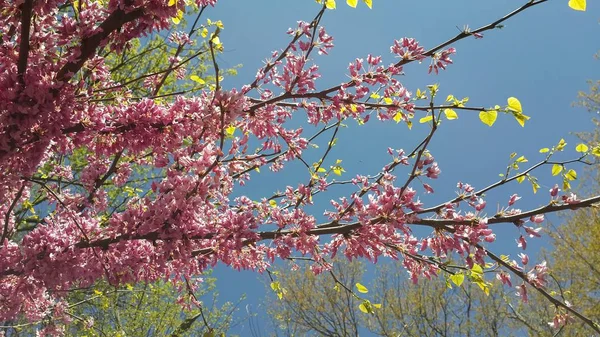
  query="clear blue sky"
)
[{"x": 543, "y": 56}]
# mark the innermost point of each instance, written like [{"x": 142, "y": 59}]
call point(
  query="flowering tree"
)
[{"x": 130, "y": 179}]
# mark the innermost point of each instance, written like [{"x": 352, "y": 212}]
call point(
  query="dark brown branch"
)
[
  {"x": 115, "y": 21},
  {"x": 26, "y": 13}
]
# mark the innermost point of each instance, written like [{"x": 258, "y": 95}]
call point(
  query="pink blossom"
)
[{"x": 513, "y": 199}]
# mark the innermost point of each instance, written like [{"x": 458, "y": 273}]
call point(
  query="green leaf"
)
[
  {"x": 450, "y": 114},
  {"x": 425, "y": 119},
  {"x": 582, "y": 148},
  {"x": 457, "y": 279},
  {"x": 488, "y": 117},
  {"x": 514, "y": 105},
  {"x": 578, "y": 5},
  {"x": 556, "y": 169},
  {"x": 361, "y": 288}
]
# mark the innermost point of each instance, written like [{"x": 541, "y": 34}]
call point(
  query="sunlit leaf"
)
[
  {"x": 398, "y": 117},
  {"x": 488, "y": 117},
  {"x": 514, "y": 105},
  {"x": 521, "y": 159},
  {"x": 556, "y": 169},
  {"x": 361, "y": 288},
  {"x": 457, "y": 279},
  {"x": 352, "y": 3},
  {"x": 581, "y": 148},
  {"x": 330, "y": 4},
  {"x": 197, "y": 79},
  {"x": 425, "y": 119},
  {"x": 561, "y": 145},
  {"x": 578, "y": 5},
  {"x": 521, "y": 119},
  {"x": 369, "y": 3},
  {"x": 571, "y": 174},
  {"x": 544, "y": 150},
  {"x": 450, "y": 114}
]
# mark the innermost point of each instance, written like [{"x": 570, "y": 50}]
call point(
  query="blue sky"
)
[{"x": 542, "y": 56}]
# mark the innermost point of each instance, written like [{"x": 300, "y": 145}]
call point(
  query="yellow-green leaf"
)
[
  {"x": 514, "y": 105},
  {"x": 273, "y": 203},
  {"x": 571, "y": 174},
  {"x": 488, "y": 117},
  {"x": 321, "y": 170},
  {"x": 578, "y": 5},
  {"x": 450, "y": 114},
  {"x": 581, "y": 148},
  {"x": 561, "y": 145},
  {"x": 197, "y": 79},
  {"x": 425, "y": 119},
  {"x": 229, "y": 131},
  {"x": 337, "y": 171},
  {"x": 556, "y": 169},
  {"x": 330, "y": 4},
  {"x": 177, "y": 19},
  {"x": 520, "y": 179},
  {"x": 364, "y": 308},
  {"x": 522, "y": 159},
  {"x": 450, "y": 98},
  {"x": 375, "y": 96},
  {"x": 275, "y": 285},
  {"x": 544, "y": 150},
  {"x": 172, "y": 2},
  {"x": 204, "y": 32},
  {"x": 398, "y": 117},
  {"x": 477, "y": 269},
  {"x": 521, "y": 118},
  {"x": 361, "y": 288},
  {"x": 596, "y": 151},
  {"x": 457, "y": 279},
  {"x": 352, "y": 3},
  {"x": 369, "y": 4}
]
